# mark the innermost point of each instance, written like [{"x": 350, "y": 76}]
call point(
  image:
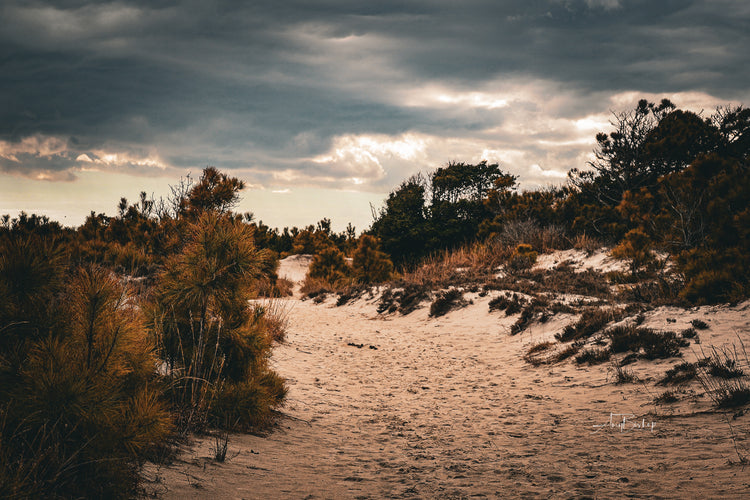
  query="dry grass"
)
[
  {"x": 538, "y": 353},
  {"x": 587, "y": 243},
  {"x": 468, "y": 264},
  {"x": 544, "y": 239},
  {"x": 276, "y": 317},
  {"x": 722, "y": 375}
]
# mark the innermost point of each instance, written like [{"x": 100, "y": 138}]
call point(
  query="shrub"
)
[
  {"x": 679, "y": 374},
  {"x": 653, "y": 344},
  {"x": 591, "y": 321},
  {"x": 205, "y": 330},
  {"x": 329, "y": 266},
  {"x": 689, "y": 333},
  {"x": 446, "y": 301},
  {"x": 537, "y": 310},
  {"x": 660, "y": 345},
  {"x": 249, "y": 404},
  {"x": 522, "y": 258},
  {"x": 723, "y": 364},
  {"x": 511, "y": 305},
  {"x": 593, "y": 356},
  {"x": 404, "y": 300},
  {"x": 623, "y": 339},
  {"x": 369, "y": 264},
  {"x": 699, "y": 324},
  {"x": 635, "y": 247},
  {"x": 82, "y": 403}
]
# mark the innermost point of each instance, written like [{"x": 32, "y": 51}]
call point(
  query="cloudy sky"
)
[{"x": 323, "y": 107}]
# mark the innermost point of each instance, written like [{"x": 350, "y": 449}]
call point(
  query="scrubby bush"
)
[
  {"x": 330, "y": 266},
  {"x": 590, "y": 322},
  {"x": 535, "y": 310},
  {"x": 523, "y": 257},
  {"x": 651, "y": 344},
  {"x": 512, "y": 304},
  {"x": 402, "y": 297},
  {"x": 679, "y": 374},
  {"x": 204, "y": 328},
  {"x": 699, "y": 324},
  {"x": 446, "y": 301},
  {"x": 78, "y": 386},
  {"x": 593, "y": 356},
  {"x": 369, "y": 264}
]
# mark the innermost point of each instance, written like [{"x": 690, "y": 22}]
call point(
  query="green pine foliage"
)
[
  {"x": 209, "y": 337},
  {"x": 369, "y": 264},
  {"x": 80, "y": 396}
]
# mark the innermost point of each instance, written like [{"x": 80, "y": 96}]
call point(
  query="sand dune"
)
[{"x": 447, "y": 408}]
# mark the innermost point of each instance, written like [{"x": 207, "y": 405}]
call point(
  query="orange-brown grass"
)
[
  {"x": 276, "y": 317},
  {"x": 469, "y": 263},
  {"x": 587, "y": 243},
  {"x": 543, "y": 239}
]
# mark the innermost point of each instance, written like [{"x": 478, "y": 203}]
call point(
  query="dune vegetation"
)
[{"x": 124, "y": 335}]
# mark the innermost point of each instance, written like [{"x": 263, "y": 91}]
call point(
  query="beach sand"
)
[{"x": 447, "y": 408}]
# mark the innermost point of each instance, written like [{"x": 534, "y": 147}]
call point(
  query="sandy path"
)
[{"x": 446, "y": 408}]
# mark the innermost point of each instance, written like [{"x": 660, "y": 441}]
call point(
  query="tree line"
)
[{"x": 664, "y": 179}]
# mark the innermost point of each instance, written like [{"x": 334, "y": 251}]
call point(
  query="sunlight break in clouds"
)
[
  {"x": 361, "y": 157},
  {"x": 52, "y": 158}
]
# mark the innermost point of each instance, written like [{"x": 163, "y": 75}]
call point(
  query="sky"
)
[{"x": 324, "y": 107}]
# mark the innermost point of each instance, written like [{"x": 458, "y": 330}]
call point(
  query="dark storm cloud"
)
[{"x": 270, "y": 86}]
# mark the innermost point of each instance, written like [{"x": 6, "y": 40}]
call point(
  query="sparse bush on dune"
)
[
  {"x": 723, "y": 376},
  {"x": 680, "y": 374},
  {"x": 536, "y": 310},
  {"x": 651, "y": 344},
  {"x": 523, "y": 257},
  {"x": 590, "y": 322},
  {"x": 593, "y": 356},
  {"x": 446, "y": 301},
  {"x": 511, "y": 304},
  {"x": 403, "y": 297}
]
